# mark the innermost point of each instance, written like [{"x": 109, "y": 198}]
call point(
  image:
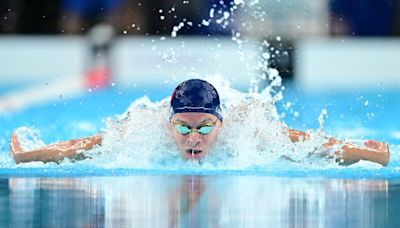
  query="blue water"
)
[
  {"x": 374, "y": 112},
  {"x": 282, "y": 194},
  {"x": 198, "y": 201}
]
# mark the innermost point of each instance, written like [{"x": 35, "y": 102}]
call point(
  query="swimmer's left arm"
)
[{"x": 373, "y": 151}]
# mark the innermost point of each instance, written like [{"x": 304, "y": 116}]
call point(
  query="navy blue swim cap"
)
[{"x": 195, "y": 95}]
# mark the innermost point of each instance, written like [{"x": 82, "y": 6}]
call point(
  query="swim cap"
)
[{"x": 195, "y": 95}]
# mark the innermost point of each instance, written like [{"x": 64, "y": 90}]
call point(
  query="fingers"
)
[
  {"x": 380, "y": 146},
  {"x": 371, "y": 143}
]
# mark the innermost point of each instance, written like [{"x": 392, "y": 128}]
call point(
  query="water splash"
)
[
  {"x": 252, "y": 136},
  {"x": 29, "y": 138}
]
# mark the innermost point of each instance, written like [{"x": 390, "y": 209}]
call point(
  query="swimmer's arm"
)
[
  {"x": 373, "y": 151},
  {"x": 54, "y": 152}
]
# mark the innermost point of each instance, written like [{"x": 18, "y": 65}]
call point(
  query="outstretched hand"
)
[
  {"x": 378, "y": 146},
  {"x": 373, "y": 151}
]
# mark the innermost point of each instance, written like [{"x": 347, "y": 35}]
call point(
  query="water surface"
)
[{"x": 198, "y": 201}]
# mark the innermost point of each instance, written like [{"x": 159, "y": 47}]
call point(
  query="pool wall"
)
[{"x": 348, "y": 63}]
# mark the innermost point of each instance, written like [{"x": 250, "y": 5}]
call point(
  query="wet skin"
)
[{"x": 194, "y": 145}]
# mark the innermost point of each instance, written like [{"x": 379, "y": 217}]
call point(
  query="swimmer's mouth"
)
[{"x": 193, "y": 151}]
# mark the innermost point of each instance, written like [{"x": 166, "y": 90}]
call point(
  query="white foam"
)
[
  {"x": 251, "y": 136},
  {"x": 29, "y": 138}
]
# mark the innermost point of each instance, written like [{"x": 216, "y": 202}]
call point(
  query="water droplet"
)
[
  {"x": 173, "y": 34},
  {"x": 238, "y": 2},
  {"x": 226, "y": 15},
  {"x": 266, "y": 55},
  {"x": 205, "y": 22},
  {"x": 211, "y": 13}
]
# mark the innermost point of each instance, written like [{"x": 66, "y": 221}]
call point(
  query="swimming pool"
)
[
  {"x": 204, "y": 201},
  {"x": 280, "y": 194},
  {"x": 350, "y": 115}
]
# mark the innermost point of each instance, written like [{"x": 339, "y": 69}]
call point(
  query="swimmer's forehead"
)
[{"x": 194, "y": 118}]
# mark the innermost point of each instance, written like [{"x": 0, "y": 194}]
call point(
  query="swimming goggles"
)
[{"x": 203, "y": 129}]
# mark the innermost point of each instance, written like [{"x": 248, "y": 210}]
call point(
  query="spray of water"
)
[
  {"x": 252, "y": 136},
  {"x": 29, "y": 138}
]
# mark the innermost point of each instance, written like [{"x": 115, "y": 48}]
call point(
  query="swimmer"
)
[{"x": 194, "y": 124}]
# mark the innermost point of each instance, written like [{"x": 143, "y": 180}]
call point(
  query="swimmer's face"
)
[{"x": 194, "y": 144}]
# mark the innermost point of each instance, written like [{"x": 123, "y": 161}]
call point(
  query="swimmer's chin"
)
[{"x": 194, "y": 154}]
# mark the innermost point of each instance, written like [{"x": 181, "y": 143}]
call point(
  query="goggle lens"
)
[
  {"x": 182, "y": 129},
  {"x": 204, "y": 129}
]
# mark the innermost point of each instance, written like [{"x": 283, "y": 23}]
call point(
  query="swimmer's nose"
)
[{"x": 194, "y": 139}]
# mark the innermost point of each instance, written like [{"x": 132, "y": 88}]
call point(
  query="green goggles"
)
[{"x": 204, "y": 129}]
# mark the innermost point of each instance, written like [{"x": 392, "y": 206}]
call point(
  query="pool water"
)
[
  {"x": 198, "y": 201},
  {"x": 350, "y": 115},
  {"x": 81, "y": 194}
]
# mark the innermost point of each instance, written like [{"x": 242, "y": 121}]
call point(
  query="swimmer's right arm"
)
[{"x": 54, "y": 152}]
